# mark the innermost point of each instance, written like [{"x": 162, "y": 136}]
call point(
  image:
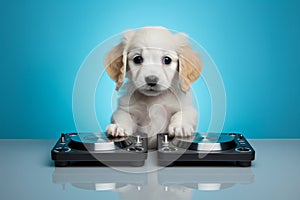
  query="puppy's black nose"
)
[{"x": 151, "y": 80}]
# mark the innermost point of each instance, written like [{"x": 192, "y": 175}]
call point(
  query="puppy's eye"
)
[
  {"x": 166, "y": 60},
  {"x": 138, "y": 59}
]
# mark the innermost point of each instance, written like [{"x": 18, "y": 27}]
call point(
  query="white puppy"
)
[{"x": 160, "y": 66}]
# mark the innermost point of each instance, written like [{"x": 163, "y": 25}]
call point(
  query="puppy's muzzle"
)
[{"x": 151, "y": 80}]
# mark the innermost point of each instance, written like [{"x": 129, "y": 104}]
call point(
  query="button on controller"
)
[
  {"x": 165, "y": 141},
  {"x": 62, "y": 149},
  {"x": 138, "y": 145},
  {"x": 62, "y": 145},
  {"x": 138, "y": 141},
  {"x": 165, "y": 145},
  {"x": 62, "y": 138},
  {"x": 242, "y": 148}
]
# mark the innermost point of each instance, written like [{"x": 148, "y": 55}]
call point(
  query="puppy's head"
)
[{"x": 151, "y": 58}]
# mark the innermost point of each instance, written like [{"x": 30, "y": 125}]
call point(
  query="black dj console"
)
[
  {"x": 199, "y": 149},
  {"x": 99, "y": 147},
  {"x": 203, "y": 148}
]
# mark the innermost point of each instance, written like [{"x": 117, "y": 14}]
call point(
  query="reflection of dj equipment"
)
[
  {"x": 202, "y": 148},
  {"x": 97, "y": 178},
  {"x": 204, "y": 178},
  {"x": 131, "y": 150},
  {"x": 171, "y": 178}
]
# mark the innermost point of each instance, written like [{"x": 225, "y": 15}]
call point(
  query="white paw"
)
[
  {"x": 118, "y": 131},
  {"x": 181, "y": 130}
]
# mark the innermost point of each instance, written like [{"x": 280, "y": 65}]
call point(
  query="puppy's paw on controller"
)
[
  {"x": 116, "y": 130},
  {"x": 181, "y": 130}
]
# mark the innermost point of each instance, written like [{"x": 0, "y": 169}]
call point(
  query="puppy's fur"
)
[{"x": 160, "y": 67}]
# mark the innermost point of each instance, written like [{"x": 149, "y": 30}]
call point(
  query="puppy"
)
[{"x": 160, "y": 67}]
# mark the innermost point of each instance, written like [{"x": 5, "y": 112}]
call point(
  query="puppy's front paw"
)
[
  {"x": 118, "y": 131},
  {"x": 182, "y": 130}
]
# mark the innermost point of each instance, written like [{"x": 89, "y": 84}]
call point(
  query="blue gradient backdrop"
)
[{"x": 255, "y": 45}]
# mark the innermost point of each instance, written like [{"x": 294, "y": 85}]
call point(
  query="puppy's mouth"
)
[{"x": 151, "y": 90}]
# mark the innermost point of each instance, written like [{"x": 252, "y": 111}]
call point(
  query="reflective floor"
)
[{"x": 27, "y": 172}]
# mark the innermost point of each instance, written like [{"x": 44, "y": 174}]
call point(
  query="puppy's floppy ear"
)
[
  {"x": 190, "y": 65},
  {"x": 116, "y": 60}
]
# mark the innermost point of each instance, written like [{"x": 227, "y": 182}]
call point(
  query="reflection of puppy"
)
[{"x": 160, "y": 67}]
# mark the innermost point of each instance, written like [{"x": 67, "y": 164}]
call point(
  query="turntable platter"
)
[
  {"x": 205, "y": 142},
  {"x": 98, "y": 142}
]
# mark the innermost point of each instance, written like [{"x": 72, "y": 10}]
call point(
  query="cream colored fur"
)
[{"x": 165, "y": 107}]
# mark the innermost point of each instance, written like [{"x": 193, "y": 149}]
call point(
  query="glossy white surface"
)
[{"x": 27, "y": 172}]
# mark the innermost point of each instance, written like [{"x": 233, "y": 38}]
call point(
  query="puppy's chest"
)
[{"x": 155, "y": 110}]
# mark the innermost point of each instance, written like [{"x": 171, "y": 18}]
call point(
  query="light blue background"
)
[{"x": 255, "y": 45}]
